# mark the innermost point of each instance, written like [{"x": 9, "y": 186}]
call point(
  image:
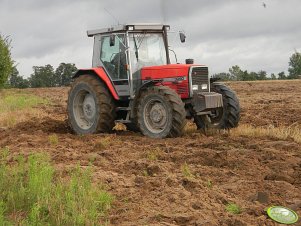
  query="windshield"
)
[{"x": 146, "y": 50}]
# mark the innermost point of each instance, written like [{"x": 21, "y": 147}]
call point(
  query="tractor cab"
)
[{"x": 124, "y": 50}]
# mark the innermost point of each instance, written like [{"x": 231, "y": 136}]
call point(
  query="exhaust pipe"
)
[{"x": 189, "y": 61}]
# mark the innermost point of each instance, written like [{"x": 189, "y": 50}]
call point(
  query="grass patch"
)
[
  {"x": 19, "y": 101},
  {"x": 233, "y": 208},
  {"x": 154, "y": 154},
  {"x": 30, "y": 194},
  {"x": 283, "y": 133},
  {"x": 17, "y": 106}
]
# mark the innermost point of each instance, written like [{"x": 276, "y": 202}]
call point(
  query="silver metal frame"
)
[
  {"x": 124, "y": 28},
  {"x": 132, "y": 95}
]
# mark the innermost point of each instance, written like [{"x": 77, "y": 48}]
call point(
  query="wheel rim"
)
[
  {"x": 155, "y": 116},
  {"x": 213, "y": 120},
  {"x": 84, "y": 109},
  {"x": 216, "y": 116}
]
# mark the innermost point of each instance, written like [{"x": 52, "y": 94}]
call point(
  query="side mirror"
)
[
  {"x": 182, "y": 37},
  {"x": 112, "y": 40}
]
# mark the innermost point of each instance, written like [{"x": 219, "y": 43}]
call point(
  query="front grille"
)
[{"x": 200, "y": 76}]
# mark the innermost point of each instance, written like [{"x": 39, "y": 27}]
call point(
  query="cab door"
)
[{"x": 114, "y": 60}]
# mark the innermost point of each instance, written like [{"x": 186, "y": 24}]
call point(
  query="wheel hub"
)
[
  {"x": 155, "y": 116},
  {"x": 89, "y": 107},
  {"x": 157, "y": 113},
  {"x": 84, "y": 109}
]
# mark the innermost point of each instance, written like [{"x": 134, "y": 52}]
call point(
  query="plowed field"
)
[{"x": 188, "y": 180}]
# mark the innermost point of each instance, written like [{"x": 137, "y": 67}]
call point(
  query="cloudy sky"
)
[{"x": 220, "y": 33}]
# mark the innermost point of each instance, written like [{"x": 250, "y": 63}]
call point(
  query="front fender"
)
[{"x": 100, "y": 73}]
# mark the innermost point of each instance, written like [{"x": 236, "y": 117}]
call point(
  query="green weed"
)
[
  {"x": 53, "y": 139},
  {"x": 154, "y": 154},
  {"x": 29, "y": 187},
  {"x": 209, "y": 183},
  {"x": 145, "y": 173},
  {"x": 187, "y": 172},
  {"x": 4, "y": 153},
  {"x": 233, "y": 208}
]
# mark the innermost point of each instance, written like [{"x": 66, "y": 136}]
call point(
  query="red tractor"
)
[{"x": 133, "y": 82}]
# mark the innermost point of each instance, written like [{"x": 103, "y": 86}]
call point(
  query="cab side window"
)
[{"x": 114, "y": 57}]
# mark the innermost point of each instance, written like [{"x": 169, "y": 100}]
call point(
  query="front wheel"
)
[
  {"x": 160, "y": 113},
  {"x": 225, "y": 117}
]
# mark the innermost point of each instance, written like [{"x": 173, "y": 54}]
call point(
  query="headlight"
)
[
  {"x": 195, "y": 87},
  {"x": 204, "y": 86}
]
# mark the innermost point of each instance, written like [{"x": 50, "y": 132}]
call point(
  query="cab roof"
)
[{"x": 139, "y": 27}]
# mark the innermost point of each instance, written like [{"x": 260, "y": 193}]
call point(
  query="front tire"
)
[
  {"x": 90, "y": 106},
  {"x": 161, "y": 113},
  {"x": 226, "y": 117}
]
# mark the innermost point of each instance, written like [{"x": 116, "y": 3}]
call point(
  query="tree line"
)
[
  {"x": 43, "y": 76},
  {"x": 47, "y": 76},
  {"x": 237, "y": 74}
]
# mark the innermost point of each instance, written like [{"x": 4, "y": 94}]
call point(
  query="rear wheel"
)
[
  {"x": 90, "y": 106},
  {"x": 161, "y": 113},
  {"x": 221, "y": 118}
]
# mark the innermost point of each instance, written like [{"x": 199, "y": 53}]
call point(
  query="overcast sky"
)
[{"x": 220, "y": 33}]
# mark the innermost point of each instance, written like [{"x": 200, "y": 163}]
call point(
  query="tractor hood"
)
[{"x": 166, "y": 71}]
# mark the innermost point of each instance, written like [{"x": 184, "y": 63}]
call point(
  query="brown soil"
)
[{"x": 146, "y": 176}]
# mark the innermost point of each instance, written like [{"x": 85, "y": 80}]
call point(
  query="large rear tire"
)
[
  {"x": 90, "y": 106},
  {"x": 160, "y": 113},
  {"x": 226, "y": 117}
]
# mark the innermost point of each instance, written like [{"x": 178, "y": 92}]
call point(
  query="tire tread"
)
[{"x": 104, "y": 102}]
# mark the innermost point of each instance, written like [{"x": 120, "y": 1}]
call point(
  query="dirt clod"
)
[
  {"x": 295, "y": 205},
  {"x": 279, "y": 177},
  {"x": 262, "y": 197},
  {"x": 153, "y": 170}
]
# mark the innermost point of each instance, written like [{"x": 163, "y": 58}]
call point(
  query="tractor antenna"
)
[{"x": 112, "y": 16}]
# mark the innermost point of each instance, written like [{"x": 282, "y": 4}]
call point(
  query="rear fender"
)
[{"x": 100, "y": 74}]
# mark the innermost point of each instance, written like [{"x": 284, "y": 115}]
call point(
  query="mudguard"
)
[{"x": 101, "y": 74}]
